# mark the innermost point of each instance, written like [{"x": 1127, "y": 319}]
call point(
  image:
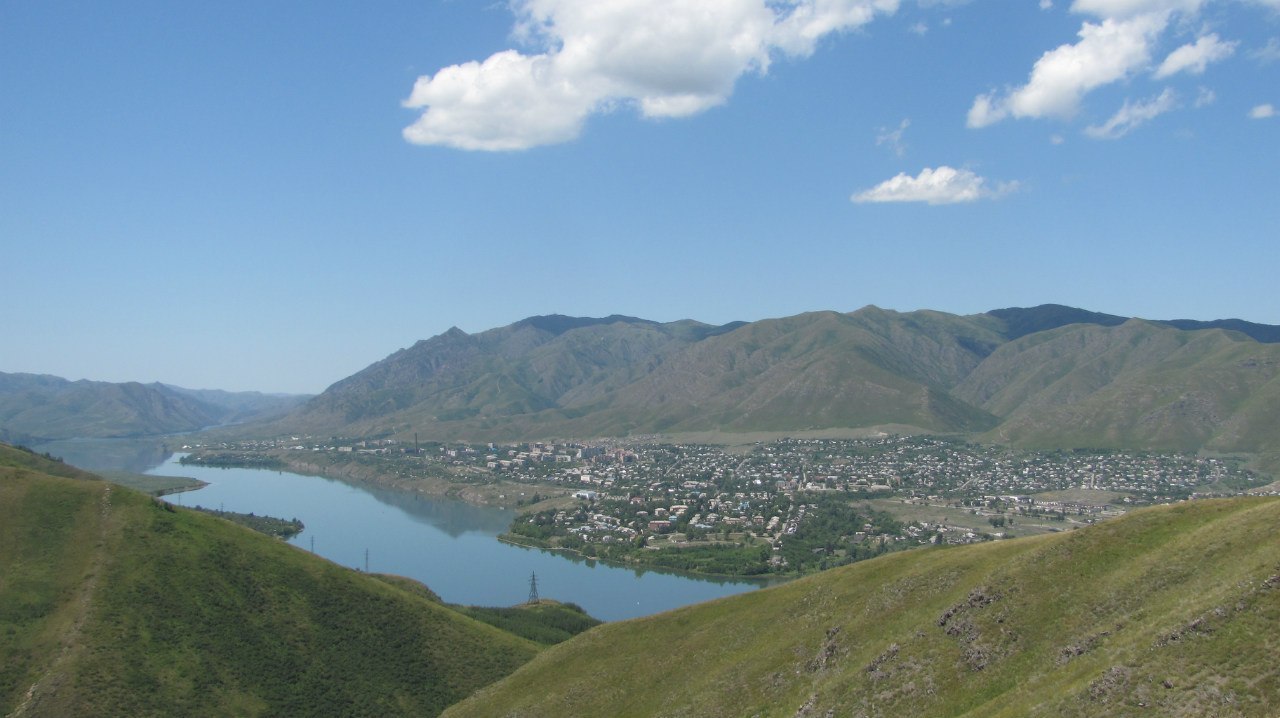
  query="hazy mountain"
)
[
  {"x": 36, "y": 407},
  {"x": 238, "y": 406},
  {"x": 1169, "y": 611}
]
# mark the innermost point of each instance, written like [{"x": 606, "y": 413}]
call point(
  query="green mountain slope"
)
[
  {"x": 1136, "y": 385},
  {"x": 561, "y": 375},
  {"x": 817, "y": 370},
  {"x": 1170, "y": 611},
  {"x": 114, "y": 604}
]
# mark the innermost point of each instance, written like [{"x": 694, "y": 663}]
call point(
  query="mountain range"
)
[
  {"x": 1047, "y": 376},
  {"x": 39, "y": 407}
]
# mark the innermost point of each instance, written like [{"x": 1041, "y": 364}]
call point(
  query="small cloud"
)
[
  {"x": 1205, "y": 98},
  {"x": 1057, "y": 139},
  {"x": 1132, "y": 115},
  {"x": 1268, "y": 53},
  {"x": 986, "y": 110},
  {"x": 1262, "y": 112},
  {"x": 1046, "y": 4},
  {"x": 919, "y": 29},
  {"x": 944, "y": 185},
  {"x": 893, "y": 138},
  {"x": 1195, "y": 57}
]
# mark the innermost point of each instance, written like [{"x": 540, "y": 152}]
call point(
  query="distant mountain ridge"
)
[
  {"x": 40, "y": 407},
  {"x": 1047, "y": 376},
  {"x": 1022, "y": 321}
]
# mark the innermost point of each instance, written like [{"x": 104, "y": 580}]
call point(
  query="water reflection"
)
[
  {"x": 449, "y": 545},
  {"x": 455, "y": 518},
  {"x": 133, "y": 455}
]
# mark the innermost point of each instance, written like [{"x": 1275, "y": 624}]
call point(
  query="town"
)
[{"x": 782, "y": 507}]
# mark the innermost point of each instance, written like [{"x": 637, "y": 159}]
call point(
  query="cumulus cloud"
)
[
  {"x": 944, "y": 185},
  {"x": 668, "y": 58},
  {"x": 1131, "y": 115},
  {"x": 1194, "y": 58},
  {"x": 1107, "y": 52},
  {"x": 1262, "y": 112}
]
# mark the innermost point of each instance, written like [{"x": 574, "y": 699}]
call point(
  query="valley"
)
[{"x": 784, "y": 507}]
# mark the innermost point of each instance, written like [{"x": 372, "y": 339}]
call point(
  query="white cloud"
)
[
  {"x": 1205, "y": 97},
  {"x": 1046, "y": 4},
  {"x": 1268, "y": 53},
  {"x": 669, "y": 58},
  {"x": 1194, "y": 58},
  {"x": 1111, "y": 48},
  {"x": 1131, "y": 115},
  {"x": 1262, "y": 112},
  {"x": 920, "y": 29},
  {"x": 944, "y": 185},
  {"x": 893, "y": 138},
  {"x": 1107, "y": 52}
]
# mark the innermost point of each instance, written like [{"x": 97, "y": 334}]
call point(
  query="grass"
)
[
  {"x": 47, "y": 553},
  {"x": 952, "y": 516},
  {"x": 546, "y": 622},
  {"x": 116, "y": 604},
  {"x": 1166, "y": 611}
]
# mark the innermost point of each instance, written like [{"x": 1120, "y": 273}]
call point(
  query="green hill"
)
[
  {"x": 1171, "y": 611},
  {"x": 113, "y": 604}
]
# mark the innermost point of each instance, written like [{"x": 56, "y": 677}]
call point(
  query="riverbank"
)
[{"x": 473, "y": 488}]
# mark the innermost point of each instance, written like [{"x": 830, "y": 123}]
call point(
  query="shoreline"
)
[{"x": 763, "y": 581}]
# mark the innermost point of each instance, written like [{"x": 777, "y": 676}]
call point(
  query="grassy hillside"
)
[
  {"x": 112, "y": 603},
  {"x": 1170, "y": 611},
  {"x": 17, "y": 457},
  {"x": 1136, "y": 385}
]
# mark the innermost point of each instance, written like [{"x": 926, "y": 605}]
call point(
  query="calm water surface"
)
[{"x": 449, "y": 545}]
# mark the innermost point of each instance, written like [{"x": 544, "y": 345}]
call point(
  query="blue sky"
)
[{"x": 270, "y": 196}]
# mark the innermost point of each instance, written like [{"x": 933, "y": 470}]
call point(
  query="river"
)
[{"x": 449, "y": 545}]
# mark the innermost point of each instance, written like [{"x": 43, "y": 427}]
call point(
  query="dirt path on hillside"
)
[{"x": 46, "y": 687}]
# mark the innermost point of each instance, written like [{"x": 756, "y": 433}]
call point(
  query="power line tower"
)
[{"x": 533, "y": 587}]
